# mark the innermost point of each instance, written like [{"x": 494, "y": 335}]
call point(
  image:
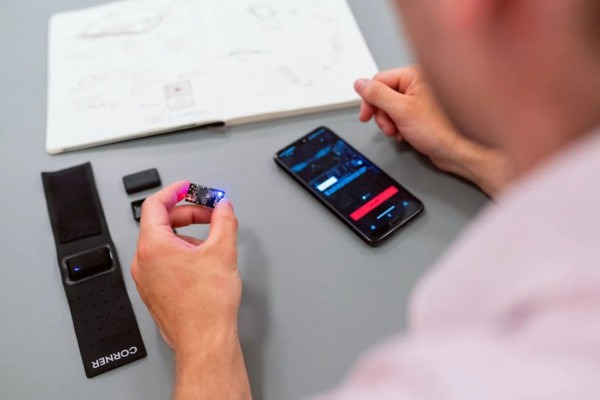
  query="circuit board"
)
[{"x": 204, "y": 196}]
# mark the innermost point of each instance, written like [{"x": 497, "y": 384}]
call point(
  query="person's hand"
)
[
  {"x": 193, "y": 290},
  {"x": 190, "y": 286},
  {"x": 403, "y": 107}
]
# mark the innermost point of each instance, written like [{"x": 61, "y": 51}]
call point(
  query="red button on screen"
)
[{"x": 374, "y": 203}]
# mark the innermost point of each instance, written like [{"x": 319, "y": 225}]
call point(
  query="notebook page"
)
[
  {"x": 125, "y": 70},
  {"x": 282, "y": 57}
]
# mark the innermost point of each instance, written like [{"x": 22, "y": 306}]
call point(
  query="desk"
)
[{"x": 315, "y": 296}]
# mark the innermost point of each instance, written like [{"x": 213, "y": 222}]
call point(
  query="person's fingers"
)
[
  {"x": 156, "y": 208},
  {"x": 166, "y": 338},
  {"x": 399, "y": 79},
  {"x": 191, "y": 240},
  {"x": 399, "y": 137},
  {"x": 223, "y": 225},
  {"x": 182, "y": 216},
  {"x": 385, "y": 124},
  {"x": 379, "y": 95},
  {"x": 366, "y": 112},
  {"x": 134, "y": 267}
]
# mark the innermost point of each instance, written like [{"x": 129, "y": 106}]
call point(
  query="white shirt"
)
[{"x": 512, "y": 311}]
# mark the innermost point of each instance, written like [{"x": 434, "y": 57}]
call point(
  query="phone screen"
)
[{"x": 355, "y": 189}]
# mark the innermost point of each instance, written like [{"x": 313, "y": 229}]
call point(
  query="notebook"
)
[{"x": 142, "y": 67}]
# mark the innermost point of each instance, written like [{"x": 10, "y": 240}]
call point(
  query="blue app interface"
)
[{"x": 355, "y": 187}]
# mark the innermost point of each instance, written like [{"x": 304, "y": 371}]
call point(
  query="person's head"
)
[{"x": 523, "y": 75}]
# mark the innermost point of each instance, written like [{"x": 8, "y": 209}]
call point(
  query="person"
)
[{"x": 507, "y": 95}]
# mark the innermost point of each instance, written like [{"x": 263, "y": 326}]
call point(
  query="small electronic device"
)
[
  {"x": 88, "y": 263},
  {"x": 136, "y": 209},
  {"x": 141, "y": 181},
  {"x": 204, "y": 196},
  {"x": 359, "y": 193}
]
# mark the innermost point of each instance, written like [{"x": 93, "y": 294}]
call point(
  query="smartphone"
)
[{"x": 358, "y": 192}]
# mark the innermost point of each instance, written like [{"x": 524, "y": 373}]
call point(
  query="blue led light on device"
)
[{"x": 204, "y": 196}]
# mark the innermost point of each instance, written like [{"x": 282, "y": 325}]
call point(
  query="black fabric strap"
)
[{"x": 104, "y": 322}]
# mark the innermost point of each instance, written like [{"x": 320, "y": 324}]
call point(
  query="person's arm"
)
[
  {"x": 193, "y": 290},
  {"x": 212, "y": 368},
  {"x": 487, "y": 168},
  {"x": 403, "y": 107}
]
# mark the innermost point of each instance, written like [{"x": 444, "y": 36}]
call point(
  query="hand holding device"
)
[
  {"x": 193, "y": 290},
  {"x": 403, "y": 107}
]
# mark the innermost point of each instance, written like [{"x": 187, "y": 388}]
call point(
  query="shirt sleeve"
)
[{"x": 472, "y": 365}]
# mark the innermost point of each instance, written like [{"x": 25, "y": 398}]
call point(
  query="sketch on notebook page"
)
[
  {"x": 113, "y": 57},
  {"x": 123, "y": 23},
  {"x": 285, "y": 44},
  {"x": 139, "y": 67}
]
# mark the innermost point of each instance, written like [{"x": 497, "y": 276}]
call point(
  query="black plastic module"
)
[
  {"x": 141, "y": 181},
  {"x": 89, "y": 264}
]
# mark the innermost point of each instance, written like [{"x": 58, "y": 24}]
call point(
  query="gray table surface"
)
[{"x": 316, "y": 297}]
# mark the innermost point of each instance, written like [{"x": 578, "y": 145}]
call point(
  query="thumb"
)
[
  {"x": 381, "y": 96},
  {"x": 223, "y": 225}
]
